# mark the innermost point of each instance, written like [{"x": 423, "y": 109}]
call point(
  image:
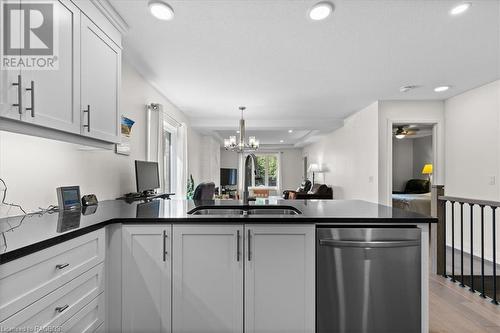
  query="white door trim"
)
[{"x": 436, "y": 132}]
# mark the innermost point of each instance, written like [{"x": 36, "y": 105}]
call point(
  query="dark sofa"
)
[{"x": 416, "y": 186}]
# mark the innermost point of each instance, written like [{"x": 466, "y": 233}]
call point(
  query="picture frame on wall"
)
[{"x": 124, "y": 148}]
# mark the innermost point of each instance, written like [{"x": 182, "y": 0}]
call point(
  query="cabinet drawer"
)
[
  {"x": 89, "y": 319},
  {"x": 61, "y": 304},
  {"x": 26, "y": 280}
]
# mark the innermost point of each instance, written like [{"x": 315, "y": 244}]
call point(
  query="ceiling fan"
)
[{"x": 403, "y": 131}]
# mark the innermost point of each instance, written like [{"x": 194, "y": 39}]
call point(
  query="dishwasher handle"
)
[{"x": 369, "y": 244}]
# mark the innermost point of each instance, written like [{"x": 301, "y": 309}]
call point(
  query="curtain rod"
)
[{"x": 156, "y": 107}]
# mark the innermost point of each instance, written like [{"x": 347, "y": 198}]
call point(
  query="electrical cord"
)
[
  {"x": 5, "y": 196},
  {"x": 49, "y": 210}
]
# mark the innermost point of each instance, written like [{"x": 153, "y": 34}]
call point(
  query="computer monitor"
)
[
  {"x": 228, "y": 177},
  {"x": 147, "y": 176}
]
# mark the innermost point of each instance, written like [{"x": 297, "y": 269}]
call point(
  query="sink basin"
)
[
  {"x": 216, "y": 211},
  {"x": 273, "y": 211},
  {"x": 255, "y": 210}
]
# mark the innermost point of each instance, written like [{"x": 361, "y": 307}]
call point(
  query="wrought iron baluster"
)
[
  {"x": 471, "y": 247},
  {"x": 462, "y": 244},
  {"x": 444, "y": 243},
  {"x": 494, "y": 300},
  {"x": 453, "y": 241},
  {"x": 482, "y": 251}
]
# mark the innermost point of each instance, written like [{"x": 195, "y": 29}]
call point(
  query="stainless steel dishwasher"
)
[{"x": 368, "y": 280}]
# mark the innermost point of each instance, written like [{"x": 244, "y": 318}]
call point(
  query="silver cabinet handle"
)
[
  {"x": 19, "y": 94},
  {"x": 369, "y": 244},
  {"x": 61, "y": 266},
  {"x": 32, "y": 90},
  {"x": 164, "y": 245},
  {"x": 249, "y": 244},
  {"x": 62, "y": 308},
  {"x": 238, "y": 245},
  {"x": 88, "y": 118}
]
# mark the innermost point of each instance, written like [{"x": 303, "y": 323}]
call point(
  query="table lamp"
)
[
  {"x": 427, "y": 170},
  {"x": 314, "y": 168}
]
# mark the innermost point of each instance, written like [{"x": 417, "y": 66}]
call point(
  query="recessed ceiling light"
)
[
  {"x": 281, "y": 141},
  {"x": 441, "y": 88},
  {"x": 290, "y": 131},
  {"x": 461, "y": 8},
  {"x": 238, "y": 131},
  {"x": 161, "y": 10},
  {"x": 321, "y": 11}
]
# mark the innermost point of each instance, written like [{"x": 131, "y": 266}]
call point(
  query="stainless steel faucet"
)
[{"x": 250, "y": 165}]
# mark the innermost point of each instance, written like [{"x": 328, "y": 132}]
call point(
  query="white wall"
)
[
  {"x": 291, "y": 168},
  {"x": 351, "y": 156},
  {"x": 33, "y": 167},
  {"x": 472, "y": 157},
  {"x": 420, "y": 112},
  {"x": 409, "y": 155},
  {"x": 402, "y": 163},
  {"x": 210, "y": 160},
  {"x": 228, "y": 159},
  {"x": 194, "y": 155},
  {"x": 422, "y": 155}
]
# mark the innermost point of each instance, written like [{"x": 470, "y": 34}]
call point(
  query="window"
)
[
  {"x": 167, "y": 161},
  {"x": 266, "y": 170}
]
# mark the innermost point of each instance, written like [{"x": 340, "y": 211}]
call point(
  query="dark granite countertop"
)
[{"x": 22, "y": 235}]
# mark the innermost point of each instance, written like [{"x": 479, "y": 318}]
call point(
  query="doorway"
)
[{"x": 412, "y": 166}]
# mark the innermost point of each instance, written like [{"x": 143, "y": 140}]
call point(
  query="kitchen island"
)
[{"x": 175, "y": 265}]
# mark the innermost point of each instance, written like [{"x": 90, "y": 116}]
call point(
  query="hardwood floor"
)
[{"x": 454, "y": 309}]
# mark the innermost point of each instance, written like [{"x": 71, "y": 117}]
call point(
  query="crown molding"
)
[{"x": 112, "y": 15}]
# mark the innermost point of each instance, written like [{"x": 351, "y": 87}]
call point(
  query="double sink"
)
[{"x": 245, "y": 210}]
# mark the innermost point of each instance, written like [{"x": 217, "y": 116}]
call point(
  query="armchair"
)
[
  {"x": 304, "y": 187},
  {"x": 318, "y": 191}
]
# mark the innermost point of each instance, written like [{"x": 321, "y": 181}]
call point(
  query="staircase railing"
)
[{"x": 461, "y": 209}]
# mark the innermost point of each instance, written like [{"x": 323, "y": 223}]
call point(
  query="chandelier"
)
[{"x": 241, "y": 145}]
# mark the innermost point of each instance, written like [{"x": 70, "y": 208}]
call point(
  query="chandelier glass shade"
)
[{"x": 240, "y": 144}]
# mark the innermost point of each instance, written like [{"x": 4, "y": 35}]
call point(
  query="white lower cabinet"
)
[
  {"x": 89, "y": 319},
  {"x": 63, "y": 304},
  {"x": 207, "y": 278},
  {"x": 279, "y": 278},
  {"x": 146, "y": 278},
  {"x": 253, "y": 278}
]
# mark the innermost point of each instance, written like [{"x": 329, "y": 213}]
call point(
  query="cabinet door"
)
[
  {"x": 10, "y": 76},
  {"x": 100, "y": 83},
  {"x": 146, "y": 284},
  {"x": 207, "y": 279},
  {"x": 51, "y": 96},
  {"x": 279, "y": 278}
]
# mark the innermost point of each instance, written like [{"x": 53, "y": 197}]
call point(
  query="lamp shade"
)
[
  {"x": 427, "y": 169},
  {"x": 313, "y": 167}
]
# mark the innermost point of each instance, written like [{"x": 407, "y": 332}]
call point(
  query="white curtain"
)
[
  {"x": 181, "y": 156},
  {"x": 280, "y": 172}
]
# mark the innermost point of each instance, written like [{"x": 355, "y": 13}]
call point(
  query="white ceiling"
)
[{"x": 292, "y": 72}]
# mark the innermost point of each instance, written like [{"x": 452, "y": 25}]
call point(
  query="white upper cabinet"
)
[
  {"x": 51, "y": 98},
  {"x": 100, "y": 83},
  {"x": 279, "y": 278},
  {"x": 10, "y": 78},
  {"x": 207, "y": 279},
  {"x": 146, "y": 284},
  {"x": 63, "y": 71}
]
